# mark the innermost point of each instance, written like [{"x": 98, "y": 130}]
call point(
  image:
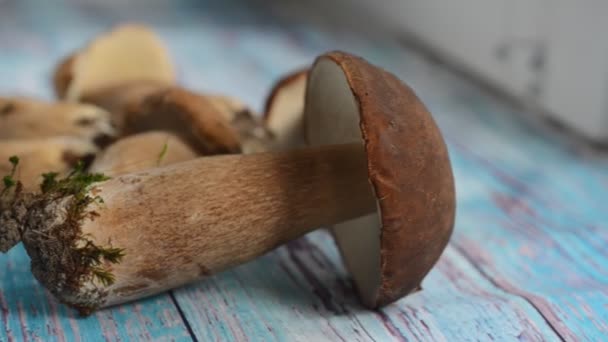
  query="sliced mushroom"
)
[
  {"x": 378, "y": 163},
  {"x": 284, "y": 110},
  {"x": 38, "y": 156},
  {"x": 142, "y": 151},
  {"x": 25, "y": 118},
  {"x": 129, "y": 53},
  {"x": 188, "y": 115}
]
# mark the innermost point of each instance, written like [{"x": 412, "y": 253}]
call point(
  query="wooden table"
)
[{"x": 528, "y": 259}]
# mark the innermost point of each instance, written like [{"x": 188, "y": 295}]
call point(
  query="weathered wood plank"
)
[
  {"x": 531, "y": 213},
  {"x": 528, "y": 258},
  {"x": 29, "y": 313},
  {"x": 301, "y": 292}
]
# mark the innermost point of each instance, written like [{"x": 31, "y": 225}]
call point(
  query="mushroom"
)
[
  {"x": 26, "y": 118},
  {"x": 186, "y": 114},
  {"x": 140, "y": 152},
  {"x": 38, "y": 156},
  {"x": 120, "y": 68},
  {"x": 119, "y": 99},
  {"x": 284, "y": 110},
  {"x": 129, "y": 53},
  {"x": 253, "y": 134},
  {"x": 378, "y": 171},
  {"x": 125, "y": 103}
]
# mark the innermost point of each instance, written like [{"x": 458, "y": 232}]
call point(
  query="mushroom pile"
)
[{"x": 130, "y": 184}]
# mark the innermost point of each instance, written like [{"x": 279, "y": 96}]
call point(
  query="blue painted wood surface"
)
[{"x": 528, "y": 260}]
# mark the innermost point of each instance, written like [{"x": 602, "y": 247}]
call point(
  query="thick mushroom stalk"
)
[
  {"x": 278, "y": 197},
  {"x": 378, "y": 171}
]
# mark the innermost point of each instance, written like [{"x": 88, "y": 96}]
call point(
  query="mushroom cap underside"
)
[{"x": 389, "y": 252}]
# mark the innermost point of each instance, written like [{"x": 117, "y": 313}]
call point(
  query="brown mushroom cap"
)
[
  {"x": 119, "y": 98},
  {"x": 390, "y": 252},
  {"x": 140, "y": 152},
  {"x": 284, "y": 110},
  {"x": 186, "y": 114},
  {"x": 254, "y": 135}
]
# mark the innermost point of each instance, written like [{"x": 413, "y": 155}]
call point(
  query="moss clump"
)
[
  {"x": 9, "y": 181},
  {"x": 63, "y": 258}
]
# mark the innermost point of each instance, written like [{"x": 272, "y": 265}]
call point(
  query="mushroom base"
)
[
  {"x": 51, "y": 239},
  {"x": 73, "y": 268}
]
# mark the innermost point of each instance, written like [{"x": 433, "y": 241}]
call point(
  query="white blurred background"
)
[{"x": 550, "y": 55}]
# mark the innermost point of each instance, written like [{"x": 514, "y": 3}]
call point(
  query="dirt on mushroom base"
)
[
  {"x": 66, "y": 262},
  {"x": 13, "y": 209}
]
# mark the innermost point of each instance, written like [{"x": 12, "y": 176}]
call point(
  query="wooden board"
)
[
  {"x": 528, "y": 260},
  {"x": 29, "y": 313}
]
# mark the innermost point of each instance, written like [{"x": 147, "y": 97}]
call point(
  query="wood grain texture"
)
[
  {"x": 301, "y": 293},
  {"x": 29, "y": 313},
  {"x": 528, "y": 261}
]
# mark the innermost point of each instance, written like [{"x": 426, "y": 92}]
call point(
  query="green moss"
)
[
  {"x": 8, "y": 180},
  {"x": 67, "y": 262},
  {"x": 163, "y": 153},
  {"x": 95, "y": 256},
  {"x": 76, "y": 185},
  {"x": 63, "y": 258}
]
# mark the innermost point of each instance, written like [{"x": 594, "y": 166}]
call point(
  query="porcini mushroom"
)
[
  {"x": 27, "y": 118},
  {"x": 127, "y": 102},
  {"x": 120, "y": 68},
  {"x": 140, "y": 152},
  {"x": 186, "y": 114},
  {"x": 379, "y": 164},
  {"x": 119, "y": 99},
  {"x": 129, "y": 53},
  {"x": 284, "y": 110}
]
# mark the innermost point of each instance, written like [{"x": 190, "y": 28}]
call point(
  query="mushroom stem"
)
[
  {"x": 222, "y": 211},
  {"x": 255, "y": 203},
  {"x": 188, "y": 220}
]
